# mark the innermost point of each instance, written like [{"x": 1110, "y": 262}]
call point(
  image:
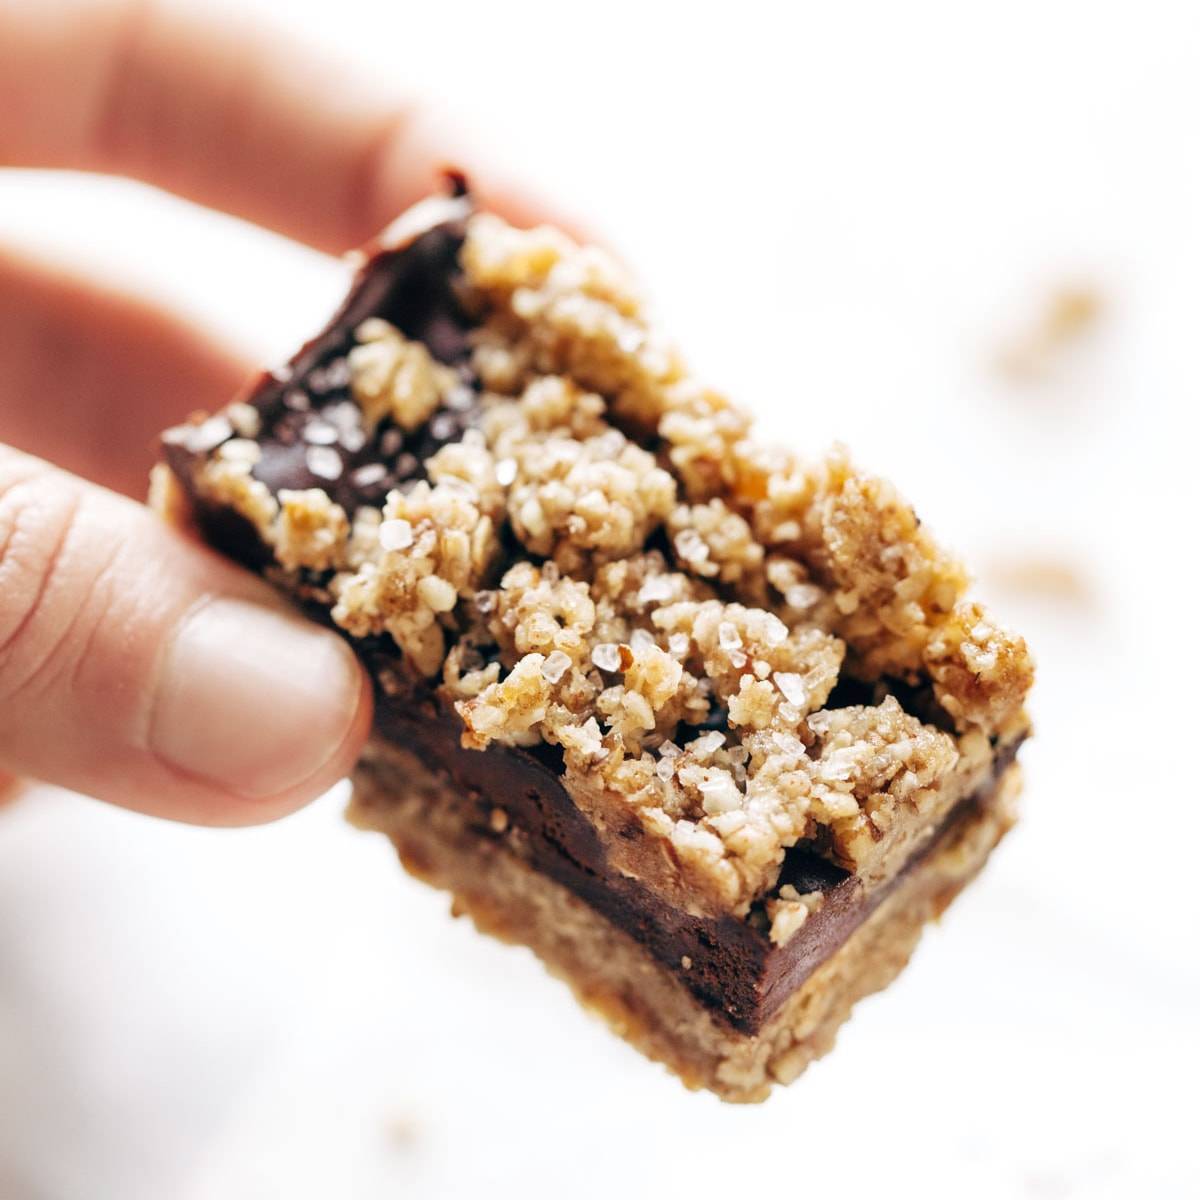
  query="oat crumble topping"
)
[{"x": 682, "y": 601}]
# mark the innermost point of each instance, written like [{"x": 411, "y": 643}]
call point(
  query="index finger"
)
[{"x": 225, "y": 113}]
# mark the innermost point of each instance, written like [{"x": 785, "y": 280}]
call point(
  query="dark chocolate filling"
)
[
  {"x": 735, "y": 971},
  {"x": 308, "y": 404}
]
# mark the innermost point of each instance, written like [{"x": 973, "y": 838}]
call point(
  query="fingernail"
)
[{"x": 251, "y": 698}]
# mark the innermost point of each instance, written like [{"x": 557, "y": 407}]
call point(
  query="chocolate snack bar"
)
[{"x": 712, "y": 728}]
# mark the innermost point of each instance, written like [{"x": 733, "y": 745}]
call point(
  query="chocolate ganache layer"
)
[{"x": 729, "y": 964}]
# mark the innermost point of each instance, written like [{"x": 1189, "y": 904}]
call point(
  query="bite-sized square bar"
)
[{"x": 711, "y": 728}]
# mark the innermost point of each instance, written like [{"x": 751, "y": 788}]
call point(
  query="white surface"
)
[{"x": 883, "y": 194}]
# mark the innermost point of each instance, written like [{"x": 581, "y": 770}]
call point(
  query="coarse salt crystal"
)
[
  {"x": 319, "y": 433},
  {"x": 691, "y": 546},
  {"x": 707, "y": 744},
  {"x": 343, "y": 416},
  {"x": 506, "y": 471},
  {"x": 395, "y": 535},
  {"x": 208, "y": 434},
  {"x": 665, "y": 769},
  {"x": 802, "y": 596},
  {"x": 793, "y": 688},
  {"x": 679, "y": 644},
  {"x": 369, "y": 474},
  {"x": 641, "y": 641},
  {"x": 323, "y": 462},
  {"x": 727, "y": 636},
  {"x": 443, "y": 427},
  {"x": 630, "y": 339},
  {"x": 556, "y": 666},
  {"x": 609, "y": 444},
  {"x": 460, "y": 398},
  {"x": 777, "y": 631},
  {"x": 607, "y": 656},
  {"x": 240, "y": 450},
  {"x": 245, "y": 419},
  {"x": 720, "y": 794},
  {"x": 438, "y": 593},
  {"x": 656, "y": 588}
]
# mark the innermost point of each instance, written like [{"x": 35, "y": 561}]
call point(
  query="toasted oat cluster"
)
[{"x": 606, "y": 561}]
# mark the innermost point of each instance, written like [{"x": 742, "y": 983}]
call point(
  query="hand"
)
[{"x": 136, "y": 666}]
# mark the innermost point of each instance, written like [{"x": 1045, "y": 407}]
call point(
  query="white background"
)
[{"x": 847, "y": 213}]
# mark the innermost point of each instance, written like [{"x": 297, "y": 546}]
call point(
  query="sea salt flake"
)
[
  {"x": 460, "y": 398},
  {"x": 443, "y": 427},
  {"x": 777, "y": 631},
  {"x": 208, "y": 435},
  {"x": 793, "y": 688},
  {"x": 395, "y": 535},
  {"x": 727, "y": 636},
  {"x": 323, "y": 462},
  {"x": 337, "y": 374},
  {"x": 369, "y": 474},
  {"x": 630, "y": 339},
  {"x": 720, "y": 794},
  {"x": 245, "y": 419},
  {"x": 556, "y": 666},
  {"x": 655, "y": 590},
  {"x": 707, "y": 744},
  {"x": 319, "y": 433},
  {"x": 438, "y": 593},
  {"x": 607, "y": 656},
  {"x": 641, "y": 641},
  {"x": 343, "y": 416},
  {"x": 802, "y": 596},
  {"x": 240, "y": 450},
  {"x": 691, "y": 546}
]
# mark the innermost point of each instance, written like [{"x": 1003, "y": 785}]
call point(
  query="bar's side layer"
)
[{"x": 435, "y": 829}]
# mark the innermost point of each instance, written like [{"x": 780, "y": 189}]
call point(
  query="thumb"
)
[{"x": 142, "y": 669}]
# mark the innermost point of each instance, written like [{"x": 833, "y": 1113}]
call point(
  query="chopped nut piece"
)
[{"x": 393, "y": 377}]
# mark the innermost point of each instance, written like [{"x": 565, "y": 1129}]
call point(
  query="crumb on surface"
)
[{"x": 1068, "y": 314}]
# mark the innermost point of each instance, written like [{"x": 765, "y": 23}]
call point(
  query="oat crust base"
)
[{"x": 437, "y": 833}]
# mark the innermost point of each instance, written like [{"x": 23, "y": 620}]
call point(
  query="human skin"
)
[{"x": 135, "y": 665}]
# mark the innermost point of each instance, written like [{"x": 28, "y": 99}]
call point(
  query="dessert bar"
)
[{"x": 712, "y": 727}]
